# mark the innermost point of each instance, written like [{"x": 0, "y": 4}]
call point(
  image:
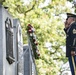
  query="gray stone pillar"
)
[
  {"x": 26, "y": 61},
  {"x": 5, "y": 67},
  {"x": 18, "y": 47}
]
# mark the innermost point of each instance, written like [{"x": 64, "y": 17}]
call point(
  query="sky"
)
[
  {"x": 45, "y": 3},
  {"x": 26, "y": 1},
  {"x": 41, "y": 4}
]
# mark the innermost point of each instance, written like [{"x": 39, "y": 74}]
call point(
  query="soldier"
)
[{"x": 70, "y": 30}]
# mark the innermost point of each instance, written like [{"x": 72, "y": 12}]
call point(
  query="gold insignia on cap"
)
[{"x": 74, "y": 31}]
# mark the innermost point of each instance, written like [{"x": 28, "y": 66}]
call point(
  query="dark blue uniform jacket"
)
[{"x": 70, "y": 39}]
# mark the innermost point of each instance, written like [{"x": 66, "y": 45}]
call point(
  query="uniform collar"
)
[{"x": 72, "y": 23}]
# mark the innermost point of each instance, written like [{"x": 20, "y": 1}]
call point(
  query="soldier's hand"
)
[
  {"x": 66, "y": 24},
  {"x": 73, "y": 53}
]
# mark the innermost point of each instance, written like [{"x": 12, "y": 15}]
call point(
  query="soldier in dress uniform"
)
[{"x": 70, "y": 30}]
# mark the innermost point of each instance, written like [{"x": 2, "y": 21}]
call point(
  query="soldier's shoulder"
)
[{"x": 74, "y": 24}]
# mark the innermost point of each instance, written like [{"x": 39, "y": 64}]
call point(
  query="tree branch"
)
[
  {"x": 53, "y": 52},
  {"x": 31, "y": 8}
]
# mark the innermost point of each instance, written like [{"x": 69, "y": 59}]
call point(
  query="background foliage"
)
[{"x": 48, "y": 23}]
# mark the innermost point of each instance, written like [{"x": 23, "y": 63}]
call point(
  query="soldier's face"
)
[{"x": 69, "y": 20}]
